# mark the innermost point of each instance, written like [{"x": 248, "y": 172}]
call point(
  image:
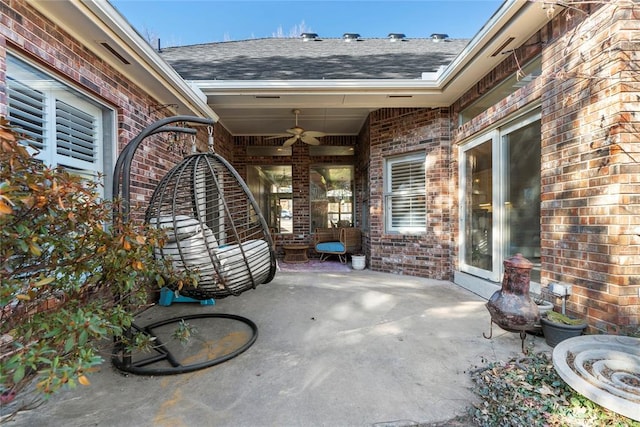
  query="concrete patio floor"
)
[{"x": 344, "y": 349}]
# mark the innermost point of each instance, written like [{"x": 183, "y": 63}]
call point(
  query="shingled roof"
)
[{"x": 296, "y": 59}]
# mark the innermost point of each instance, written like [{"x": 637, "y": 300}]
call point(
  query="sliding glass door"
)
[
  {"x": 478, "y": 208},
  {"x": 500, "y": 199}
]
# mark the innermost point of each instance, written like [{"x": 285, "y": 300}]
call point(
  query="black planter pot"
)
[
  {"x": 556, "y": 332},
  {"x": 543, "y": 308}
]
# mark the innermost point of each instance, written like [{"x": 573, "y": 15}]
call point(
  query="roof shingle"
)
[{"x": 295, "y": 59}]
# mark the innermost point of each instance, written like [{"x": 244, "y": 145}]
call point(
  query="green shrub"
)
[{"x": 69, "y": 277}]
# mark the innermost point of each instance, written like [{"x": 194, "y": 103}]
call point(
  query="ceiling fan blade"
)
[
  {"x": 311, "y": 140},
  {"x": 282, "y": 135},
  {"x": 314, "y": 133},
  {"x": 290, "y": 141}
]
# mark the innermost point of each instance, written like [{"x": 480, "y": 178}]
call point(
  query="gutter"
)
[{"x": 299, "y": 87}]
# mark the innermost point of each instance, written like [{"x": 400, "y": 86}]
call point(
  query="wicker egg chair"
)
[{"x": 214, "y": 229}]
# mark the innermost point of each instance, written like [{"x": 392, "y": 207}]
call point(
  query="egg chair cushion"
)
[
  {"x": 246, "y": 261},
  {"x": 192, "y": 246},
  {"x": 214, "y": 228}
]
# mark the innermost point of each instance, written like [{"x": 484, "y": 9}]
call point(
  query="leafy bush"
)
[
  {"x": 69, "y": 277},
  {"x": 527, "y": 391}
]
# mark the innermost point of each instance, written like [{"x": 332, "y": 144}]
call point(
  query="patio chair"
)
[
  {"x": 214, "y": 228},
  {"x": 337, "y": 241}
]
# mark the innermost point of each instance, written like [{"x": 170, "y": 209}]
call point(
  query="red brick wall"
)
[
  {"x": 363, "y": 183},
  {"x": 591, "y": 165},
  {"x": 400, "y": 131},
  {"x": 222, "y": 142},
  {"x": 25, "y": 32},
  {"x": 590, "y": 213}
]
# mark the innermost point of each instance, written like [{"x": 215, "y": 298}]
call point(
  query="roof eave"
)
[
  {"x": 94, "y": 22},
  {"x": 515, "y": 22}
]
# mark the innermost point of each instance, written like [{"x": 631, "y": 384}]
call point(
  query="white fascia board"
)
[
  {"x": 488, "y": 31},
  {"x": 517, "y": 19},
  {"x": 369, "y": 86}
]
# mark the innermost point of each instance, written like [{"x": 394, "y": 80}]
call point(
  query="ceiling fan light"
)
[{"x": 308, "y": 137}]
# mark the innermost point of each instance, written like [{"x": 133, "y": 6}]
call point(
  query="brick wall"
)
[
  {"x": 591, "y": 165},
  {"x": 25, "y": 32},
  {"x": 590, "y": 213},
  {"x": 400, "y": 131},
  {"x": 363, "y": 180}
]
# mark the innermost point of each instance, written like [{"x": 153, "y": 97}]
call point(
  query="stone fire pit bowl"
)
[{"x": 603, "y": 368}]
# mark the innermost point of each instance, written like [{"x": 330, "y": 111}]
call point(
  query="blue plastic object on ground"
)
[{"x": 168, "y": 297}]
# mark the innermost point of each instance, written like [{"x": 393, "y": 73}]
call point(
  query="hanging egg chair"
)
[{"x": 214, "y": 228}]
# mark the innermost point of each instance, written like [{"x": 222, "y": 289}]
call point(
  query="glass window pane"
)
[
  {"x": 523, "y": 195},
  {"x": 272, "y": 189},
  {"x": 331, "y": 192},
  {"x": 478, "y": 208},
  {"x": 66, "y": 126},
  {"x": 405, "y": 201}
]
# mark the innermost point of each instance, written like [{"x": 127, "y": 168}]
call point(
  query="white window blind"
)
[
  {"x": 405, "y": 199},
  {"x": 27, "y": 111},
  {"x": 75, "y": 136},
  {"x": 64, "y": 125}
]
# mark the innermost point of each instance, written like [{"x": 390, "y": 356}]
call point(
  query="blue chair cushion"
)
[{"x": 330, "y": 247}]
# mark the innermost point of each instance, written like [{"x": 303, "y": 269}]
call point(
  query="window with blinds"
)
[
  {"x": 62, "y": 124},
  {"x": 405, "y": 194}
]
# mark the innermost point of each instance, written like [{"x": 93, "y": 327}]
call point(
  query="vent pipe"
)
[{"x": 438, "y": 37}]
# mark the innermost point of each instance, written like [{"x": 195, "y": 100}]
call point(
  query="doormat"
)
[{"x": 314, "y": 266}]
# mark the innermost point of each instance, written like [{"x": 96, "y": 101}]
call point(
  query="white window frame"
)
[
  {"x": 497, "y": 135},
  {"x": 64, "y": 108},
  {"x": 418, "y": 192},
  {"x": 492, "y": 136}
]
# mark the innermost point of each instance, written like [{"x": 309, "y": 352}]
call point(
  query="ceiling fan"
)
[{"x": 307, "y": 136}]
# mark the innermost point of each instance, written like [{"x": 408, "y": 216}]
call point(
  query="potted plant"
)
[
  {"x": 558, "y": 327},
  {"x": 544, "y": 306}
]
